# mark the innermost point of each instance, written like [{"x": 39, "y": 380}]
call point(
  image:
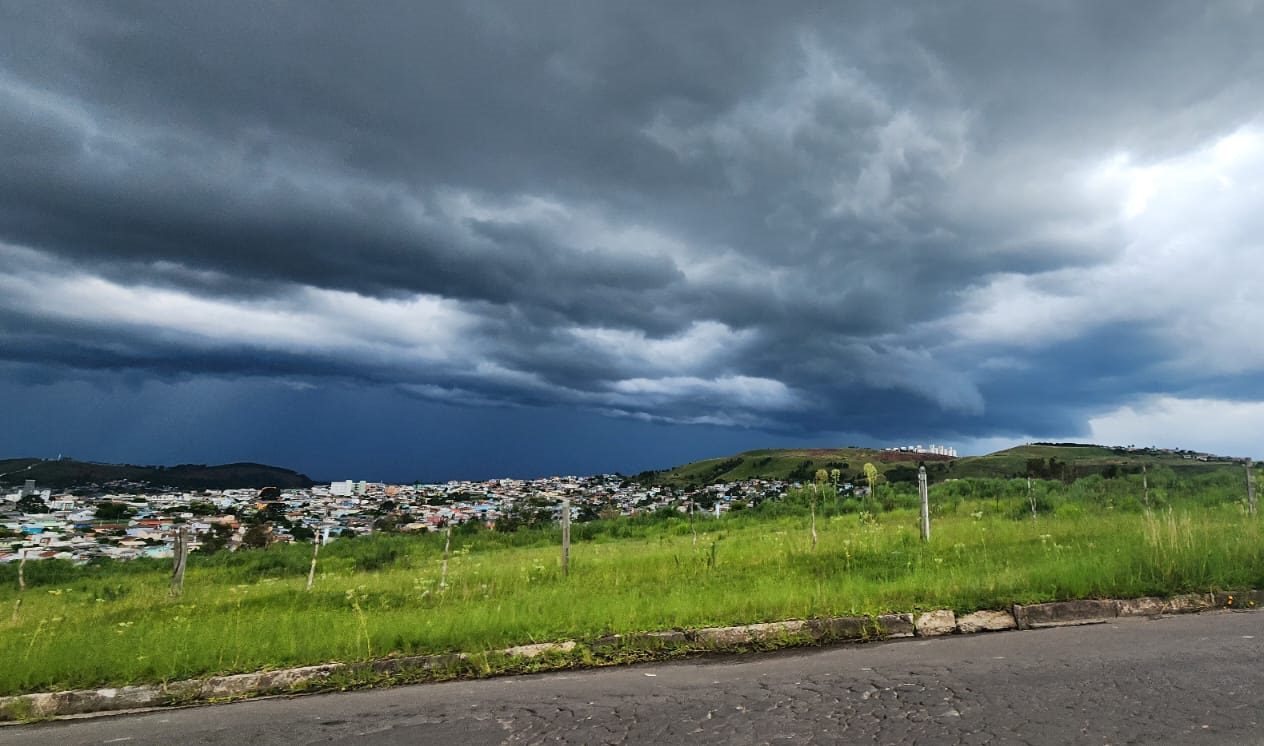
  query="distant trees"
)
[
  {"x": 273, "y": 512},
  {"x": 802, "y": 472},
  {"x": 210, "y": 542},
  {"x": 32, "y": 504},
  {"x": 113, "y": 511},
  {"x": 386, "y": 523},
  {"x": 1049, "y": 469},
  {"x": 901, "y": 473},
  {"x": 258, "y": 536}
]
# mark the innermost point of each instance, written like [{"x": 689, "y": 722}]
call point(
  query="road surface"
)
[{"x": 1177, "y": 680}]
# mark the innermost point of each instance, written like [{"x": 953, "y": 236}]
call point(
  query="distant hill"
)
[
  {"x": 1073, "y": 460},
  {"x": 67, "y": 473},
  {"x": 1057, "y": 461},
  {"x": 794, "y": 464}
]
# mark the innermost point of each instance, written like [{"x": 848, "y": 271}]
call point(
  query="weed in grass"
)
[{"x": 355, "y": 596}]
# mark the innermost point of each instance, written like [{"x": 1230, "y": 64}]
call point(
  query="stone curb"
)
[{"x": 885, "y": 626}]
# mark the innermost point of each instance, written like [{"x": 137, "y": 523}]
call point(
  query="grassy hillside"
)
[
  {"x": 795, "y": 464},
  {"x": 68, "y": 473},
  {"x": 1059, "y": 461},
  {"x": 1079, "y": 461}
]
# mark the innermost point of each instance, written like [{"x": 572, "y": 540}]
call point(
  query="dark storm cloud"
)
[{"x": 795, "y": 216}]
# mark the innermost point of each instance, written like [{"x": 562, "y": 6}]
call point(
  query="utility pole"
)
[
  {"x": 924, "y": 491},
  {"x": 566, "y": 537}
]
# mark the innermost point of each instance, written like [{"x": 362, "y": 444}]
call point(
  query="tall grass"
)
[{"x": 116, "y": 623}]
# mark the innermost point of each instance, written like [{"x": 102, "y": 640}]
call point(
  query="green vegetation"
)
[
  {"x": 115, "y": 623},
  {"x": 1065, "y": 461},
  {"x": 795, "y": 465},
  {"x": 1071, "y": 462},
  {"x": 70, "y": 473}
]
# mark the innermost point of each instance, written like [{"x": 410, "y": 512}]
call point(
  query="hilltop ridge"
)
[
  {"x": 1057, "y": 460},
  {"x": 65, "y": 473}
]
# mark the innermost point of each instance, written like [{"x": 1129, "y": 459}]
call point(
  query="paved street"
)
[{"x": 1178, "y": 680}]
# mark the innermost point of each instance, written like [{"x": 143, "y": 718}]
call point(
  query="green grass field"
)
[{"x": 115, "y": 623}]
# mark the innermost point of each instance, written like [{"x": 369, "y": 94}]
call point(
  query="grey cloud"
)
[{"x": 823, "y": 183}]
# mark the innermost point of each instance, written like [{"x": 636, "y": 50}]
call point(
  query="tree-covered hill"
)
[{"x": 68, "y": 473}]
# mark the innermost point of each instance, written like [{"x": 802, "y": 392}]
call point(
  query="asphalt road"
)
[{"x": 1178, "y": 680}]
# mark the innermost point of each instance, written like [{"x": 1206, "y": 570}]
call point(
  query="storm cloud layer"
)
[{"x": 937, "y": 221}]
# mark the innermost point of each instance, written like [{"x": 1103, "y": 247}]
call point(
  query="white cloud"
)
[
  {"x": 418, "y": 329},
  {"x": 1214, "y": 425},
  {"x": 740, "y": 391},
  {"x": 694, "y": 349},
  {"x": 1191, "y": 230}
]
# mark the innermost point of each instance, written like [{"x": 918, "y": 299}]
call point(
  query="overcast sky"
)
[{"x": 428, "y": 240}]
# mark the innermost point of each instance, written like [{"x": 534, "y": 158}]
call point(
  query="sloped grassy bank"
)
[{"x": 116, "y": 624}]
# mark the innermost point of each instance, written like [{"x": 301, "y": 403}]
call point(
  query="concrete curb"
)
[{"x": 45, "y": 705}]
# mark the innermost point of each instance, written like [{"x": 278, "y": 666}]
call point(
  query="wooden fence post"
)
[
  {"x": 17, "y": 605},
  {"x": 924, "y": 492},
  {"x": 311, "y": 571},
  {"x": 180, "y": 556},
  {"x": 566, "y": 537},
  {"x": 447, "y": 551},
  {"x": 1250, "y": 487},
  {"x": 692, "y": 527},
  {"x": 816, "y": 494}
]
